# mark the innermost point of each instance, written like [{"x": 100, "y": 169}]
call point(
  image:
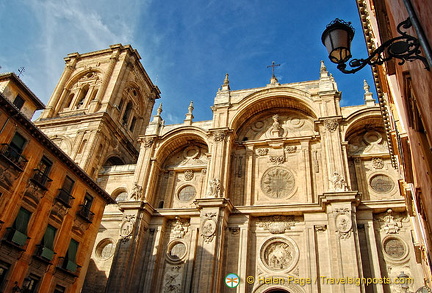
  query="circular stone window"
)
[
  {"x": 186, "y": 193},
  {"x": 277, "y": 182},
  {"x": 176, "y": 251},
  {"x": 105, "y": 249},
  {"x": 394, "y": 248},
  {"x": 279, "y": 254},
  {"x": 381, "y": 183}
]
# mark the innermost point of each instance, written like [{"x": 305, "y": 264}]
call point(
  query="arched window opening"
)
[
  {"x": 127, "y": 113},
  {"x": 113, "y": 161},
  {"x": 82, "y": 96},
  {"x": 82, "y": 146},
  {"x": 132, "y": 126},
  {"x": 68, "y": 100}
]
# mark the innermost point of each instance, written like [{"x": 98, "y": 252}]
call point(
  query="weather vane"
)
[
  {"x": 21, "y": 70},
  {"x": 273, "y": 68}
]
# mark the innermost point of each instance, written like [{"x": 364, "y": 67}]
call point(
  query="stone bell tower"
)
[{"x": 100, "y": 106}]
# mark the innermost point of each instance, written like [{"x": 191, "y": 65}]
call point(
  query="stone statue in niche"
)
[
  {"x": 215, "y": 188},
  {"x": 137, "y": 192},
  {"x": 338, "y": 182},
  {"x": 276, "y": 129}
]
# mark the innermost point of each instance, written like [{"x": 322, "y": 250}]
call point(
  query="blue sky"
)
[{"x": 186, "y": 46}]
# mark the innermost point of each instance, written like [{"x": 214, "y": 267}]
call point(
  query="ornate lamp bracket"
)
[{"x": 404, "y": 47}]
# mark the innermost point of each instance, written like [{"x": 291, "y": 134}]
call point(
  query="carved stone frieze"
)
[
  {"x": 291, "y": 149},
  {"x": 262, "y": 151},
  {"x": 277, "y": 159},
  {"x": 276, "y": 224}
]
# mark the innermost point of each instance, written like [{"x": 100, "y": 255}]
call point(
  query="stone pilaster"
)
[{"x": 214, "y": 214}]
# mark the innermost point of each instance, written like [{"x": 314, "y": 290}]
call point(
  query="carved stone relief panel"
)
[
  {"x": 381, "y": 183},
  {"x": 172, "y": 281},
  {"x": 208, "y": 227},
  {"x": 370, "y": 142},
  {"x": 391, "y": 222},
  {"x": 278, "y": 125},
  {"x": 344, "y": 223},
  {"x": 279, "y": 254},
  {"x": 278, "y": 182},
  {"x": 179, "y": 227},
  {"x": 276, "y": 224}
]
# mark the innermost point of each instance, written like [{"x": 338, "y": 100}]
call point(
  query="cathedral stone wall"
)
[{"x": 284, "y": 188}]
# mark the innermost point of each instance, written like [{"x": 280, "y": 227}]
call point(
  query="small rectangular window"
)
[
  {"x": 4, "y": 268},
  {"x": 59, "y": 289},
  {"x": 42, "y": 171},
  {"x": 18, "y": 231},
  {"x": 70, "y": 257},
  {"x": 47, "y": 244},
  {"x": 17, "y": 144},
  {"x": 132, "y": 126},
  {"x": 33, "y": 282},
  {"x": 64, "y": 195},
  {"x": 18, "y": 102}
]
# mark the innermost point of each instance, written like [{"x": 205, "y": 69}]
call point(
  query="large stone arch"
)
[
  {"x": 280, "y": 97},
  {"x": 181, "y": 168}
]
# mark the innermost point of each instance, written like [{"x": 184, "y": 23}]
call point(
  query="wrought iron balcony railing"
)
[
  {"x": 65, "y": 198},
  {"x": 85, "y": 213},
  {"x": 40, "y": 178},
  {"x": 13, "y": 156}
]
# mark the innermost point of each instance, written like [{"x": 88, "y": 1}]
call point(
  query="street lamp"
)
[{"x": 337, "y": 39}]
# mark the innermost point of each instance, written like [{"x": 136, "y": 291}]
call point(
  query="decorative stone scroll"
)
[
  {"x": 331, "y": 124},
  {"x": 276, "y": 224},
  {"x": 262, "y": 151},
  {"x": 208, "y": 227},
  {"x": 277, "y": 159},
  {"x": 277, "y": 182},
  {"x": 291, "y": 149}
]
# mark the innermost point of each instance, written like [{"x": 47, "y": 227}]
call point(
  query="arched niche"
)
[
  {"x": 113, "y": 161},
  {"x": 183, "y": 161}
]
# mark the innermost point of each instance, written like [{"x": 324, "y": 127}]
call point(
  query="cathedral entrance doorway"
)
[{"x": 277, "y": 291}]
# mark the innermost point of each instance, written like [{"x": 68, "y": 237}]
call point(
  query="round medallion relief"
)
[
  {"x": 381, "y": 183},
  {"x": 186, "y": 193},
  {"x": 279, "y": 254},
  {"x": 394, "y": 247},
  {"x": 277, "y": 182},
  {"x": 105, "y": 249},
  {"x": 176, "y": 251}
]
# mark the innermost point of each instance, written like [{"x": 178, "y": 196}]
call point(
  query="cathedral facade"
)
[{"x": 283, "y": 190}]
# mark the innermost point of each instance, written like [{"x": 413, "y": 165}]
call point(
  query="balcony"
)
[
  {"x": 85, "y": 213},
  {"x": 40, "y": 179},
  {"x": 64, "y": 198},
  {"x": 45, "y": 253},
  {"x": 12, "y": 156},
  {"x": 16, "y": 238}
]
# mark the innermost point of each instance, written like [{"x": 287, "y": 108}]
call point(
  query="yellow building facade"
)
[{"x": 50, "y": 209}]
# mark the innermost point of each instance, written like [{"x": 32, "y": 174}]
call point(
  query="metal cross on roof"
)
[{"x": 273, "y": 68}]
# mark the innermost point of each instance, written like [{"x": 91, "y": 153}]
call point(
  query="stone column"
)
[
  {"x": 128, "y": 257},
  {"x": 343, "y": 239},
  {"x": 214, "y": 213}
]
